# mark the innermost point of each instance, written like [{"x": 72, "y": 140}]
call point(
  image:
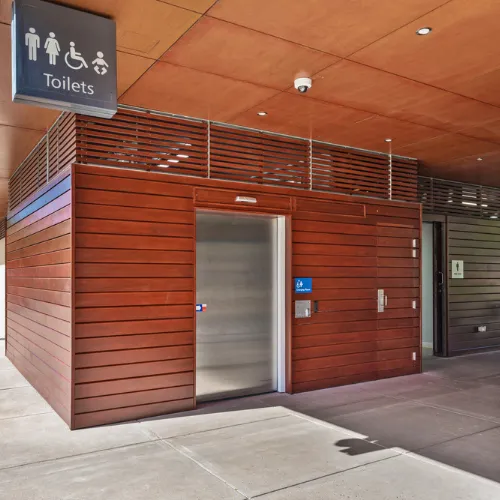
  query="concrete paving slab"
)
[
  {"x": 478, "y": 454},
  {"x": 11, "y": 378},
  {"x": 214, "y": 416},
  {"x": 415, "y": 387},
  {"x": 325, "y": 398},
  {"x": 482, "y": 401},
  {"x": 26, "y": 440},
  {"x": 401, "y": 478},
  {"x": 389, "y": 426},
  {"x": 22, "y": 401},
  {"x": 264, "y": 456},
  {"x": 151, "y": 471},
  {"x": 5, "y": 364}
]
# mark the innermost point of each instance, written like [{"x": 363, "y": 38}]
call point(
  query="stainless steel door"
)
[{"x": 236, "y": 335}]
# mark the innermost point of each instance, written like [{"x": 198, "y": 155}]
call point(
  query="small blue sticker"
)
[
  {"x": 201, "y": 308},
  {"x": 303, "y": 285}
]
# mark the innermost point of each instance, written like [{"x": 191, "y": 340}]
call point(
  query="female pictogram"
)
[
  {"x": 75, "y": 56},
  {"x": 52, "y": 48}
]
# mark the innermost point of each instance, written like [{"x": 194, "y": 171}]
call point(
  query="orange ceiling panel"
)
[
  {"x": 367, "y": 88},
  {"x": 461, "y": 54},
  {"x": 130, "y": 68},
  {"x": 299, "y": 116},
  {"x": 449, "y": 147},
  {"x": 225, "y": 49},
  {"x": 339, "y": 27},
  {"x": 185, "y": 91},
  {"x": 143, "y": 27},
  {"x": 200, "y": 6},
  {"x": 372, "y": 132}
]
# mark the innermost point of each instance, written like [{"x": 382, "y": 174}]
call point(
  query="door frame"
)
[
  {"x": 283, "y": 289},
  {"x": 440, "y": 282}
]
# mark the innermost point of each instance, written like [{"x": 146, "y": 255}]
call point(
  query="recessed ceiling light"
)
[
  {"x": 424, "y": 31},
  {"x": 494, "y": 217},
  {"x": 479, "y": 159},
  {"x": 262, "y": 113},
  {"x": 388, "y": 140}
]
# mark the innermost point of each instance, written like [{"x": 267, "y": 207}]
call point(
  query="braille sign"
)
[
  {"x": 63, "y": 58},
  {"x": 457, "y": 269}
]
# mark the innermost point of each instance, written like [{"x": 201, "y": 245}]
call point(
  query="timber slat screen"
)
[
  {"x": 53, "y": 154},
  {"x": 183, "y": 146}
]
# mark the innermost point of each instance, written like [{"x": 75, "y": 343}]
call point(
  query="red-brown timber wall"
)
[
  {"x": 135, "y": 288},
  {"x": 39, "y": 273}
]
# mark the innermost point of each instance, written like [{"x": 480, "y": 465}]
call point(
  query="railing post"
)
[{"x": 310, "y": 165}]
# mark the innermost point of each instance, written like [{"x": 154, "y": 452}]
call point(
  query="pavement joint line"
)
[
  {"x": 27, "y": 415},
  {"x": 336, "y": 473},
  {"x": 223, "y": 427},
  {"x": 202, "y": 466},
  {"x": 452, "y": 439},
  {"x": 76, "y": 455}
]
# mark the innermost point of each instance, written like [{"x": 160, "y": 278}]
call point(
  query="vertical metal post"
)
[
  {"x": 47, "y": 156},
  {"x": 390, "y": 171},
  {"x": 208, "y": 148},
  {"x": 310, "y": 165}
]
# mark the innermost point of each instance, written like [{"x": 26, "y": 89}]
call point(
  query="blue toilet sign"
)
[{"x": 303, "y": 285}]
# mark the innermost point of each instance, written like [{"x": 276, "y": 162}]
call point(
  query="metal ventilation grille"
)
[
  {"x": 257, "y": 157},
  {"x": 144, "y": 141},
  {"x": 349, "y": 171},
  {"x": 439, "y": 196},
  {"x": 54, "y": 153}
]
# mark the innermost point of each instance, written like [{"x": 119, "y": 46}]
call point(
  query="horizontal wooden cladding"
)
[
  {"x": 346, "y": 340},
  {"x": 134, "y": 341},
  {"x": 133, "y": 399},
  {"x": 333, "y": 207},
  {"x": 249, "y": 200},
  {"x": 122, "y": 414},
  {"x": 134, "y": 297},
  {"x": 39, "y": 262},
  {"x": 360, "y": 373},
  {"x": 473, "y": 301}
]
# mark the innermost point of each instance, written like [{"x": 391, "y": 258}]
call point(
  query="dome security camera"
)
[{"x": 303, "y": 84}]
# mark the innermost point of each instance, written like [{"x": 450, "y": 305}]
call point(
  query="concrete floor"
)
[{"x": 435, "y": 435}]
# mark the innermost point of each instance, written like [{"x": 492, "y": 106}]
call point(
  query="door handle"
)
[
  {"x": 440, "y": 278},
  {"x": 385, "y": 300}
]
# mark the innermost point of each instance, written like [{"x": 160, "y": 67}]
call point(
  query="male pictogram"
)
[
  {"x": 32, "y": 41},
  {"x": 52, "y": 48},
  {"x": 100, "y": 65}
]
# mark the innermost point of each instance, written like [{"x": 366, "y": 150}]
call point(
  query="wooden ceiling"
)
[{"x": 436, "y": 96}]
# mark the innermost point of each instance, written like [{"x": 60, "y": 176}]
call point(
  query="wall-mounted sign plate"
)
[
  {"x": 303, "y": 285},
  {"x": 63, "y": 58},
  {"x": 457, "y": 269},
  {"x": 201, "y": 308}
]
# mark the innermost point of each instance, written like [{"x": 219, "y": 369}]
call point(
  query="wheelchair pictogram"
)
[{"x": 75, "y": 56}]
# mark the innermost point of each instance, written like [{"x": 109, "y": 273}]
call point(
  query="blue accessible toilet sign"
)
[{"x": 303, "y": 285}]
